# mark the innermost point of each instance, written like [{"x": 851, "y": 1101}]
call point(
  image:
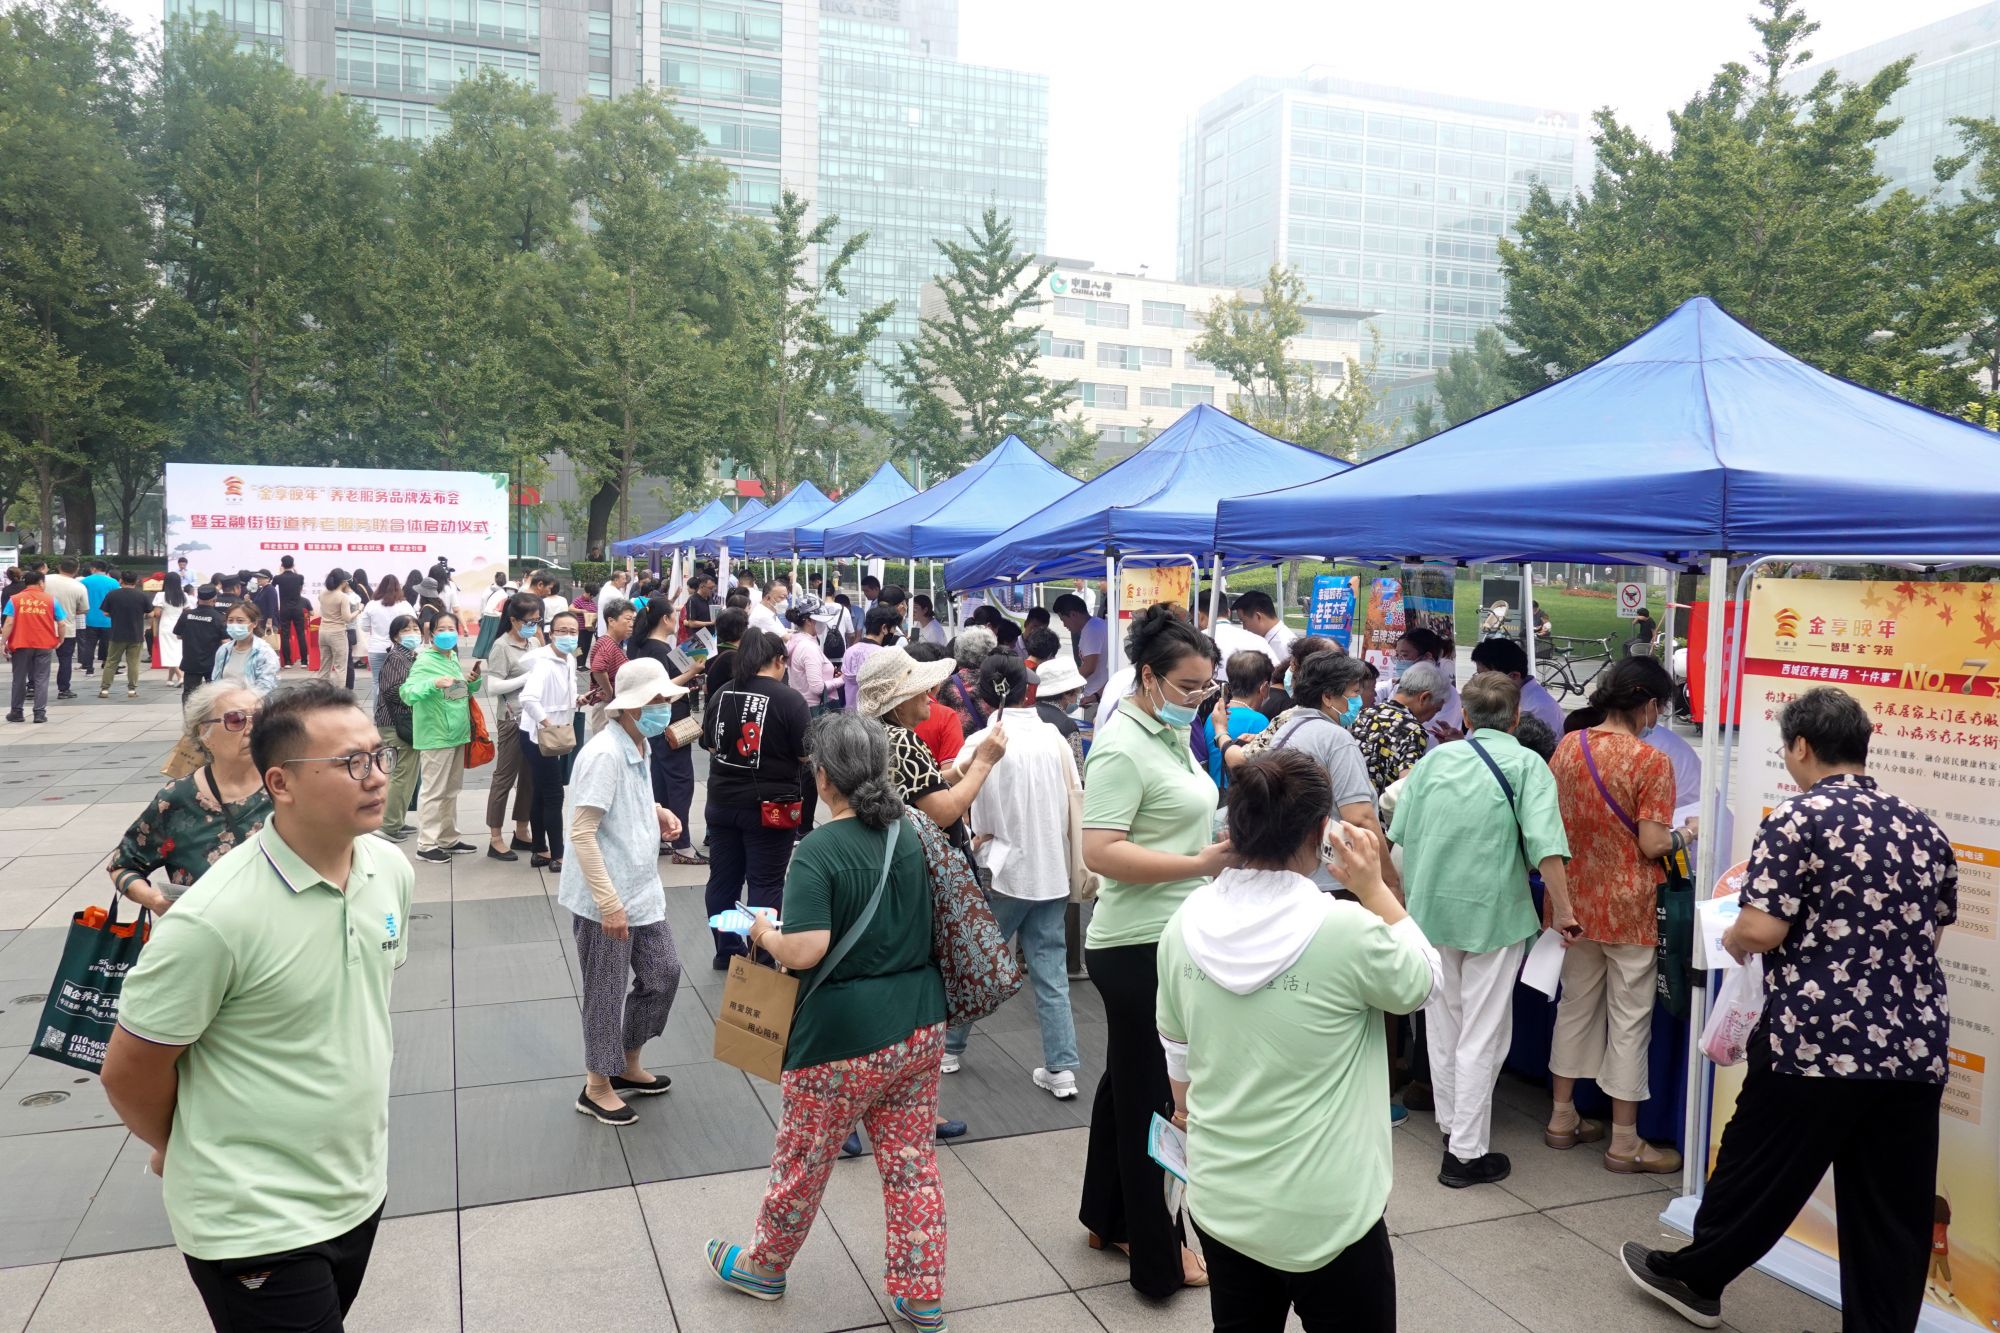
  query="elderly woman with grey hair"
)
[
  {"x": 974, "y": 645},
  {"x": 868, "y": 1033}
]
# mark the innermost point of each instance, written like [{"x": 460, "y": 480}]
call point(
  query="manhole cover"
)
[
  {"x": 29, "y": 999},
  {"x": 44, "y": 1099}
]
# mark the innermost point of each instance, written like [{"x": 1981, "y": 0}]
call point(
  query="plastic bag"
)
[{"x": 1739, "y": 1005}]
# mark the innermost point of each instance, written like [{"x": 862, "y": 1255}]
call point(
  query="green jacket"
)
[{"x": 439, "y": 722}]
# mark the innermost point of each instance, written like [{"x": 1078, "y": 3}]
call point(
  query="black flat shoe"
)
[
  {"x": 625, "y": 1086},
  {"x": 622, "y": 1117},
  {"x": 521, "y": 845},
  {"x": 502, "y": 856},
  {"x": 538, "y": 861}
]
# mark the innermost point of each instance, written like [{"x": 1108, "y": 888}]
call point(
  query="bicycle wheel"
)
[{"x": 1555, "y": 676}]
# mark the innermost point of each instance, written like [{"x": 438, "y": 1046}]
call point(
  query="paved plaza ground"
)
[{"x": 508, "y": 1211}]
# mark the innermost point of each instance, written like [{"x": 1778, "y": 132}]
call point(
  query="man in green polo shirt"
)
[
  {"x": 1475, "y": 817},
  {"x": 253, "y": 1044}
]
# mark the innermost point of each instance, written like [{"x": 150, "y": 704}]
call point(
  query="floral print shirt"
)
[
  {"x": 1867, "y": 883},
  {"x": 1614, "y": 889},
  {"x": 1392, "y": 740},
  {"x": 186, "y": 830}
]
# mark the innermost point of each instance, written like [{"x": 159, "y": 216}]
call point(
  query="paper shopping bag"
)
[
  {"x": 82, "y": 1007},
  {"x": 755, "y": 1024}
]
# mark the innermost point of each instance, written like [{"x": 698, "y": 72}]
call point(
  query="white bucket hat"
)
[
  {"x": 642, "y": 681},
  {"x": 891, "y": 676},
  {"x": 1059, "y": 676}
]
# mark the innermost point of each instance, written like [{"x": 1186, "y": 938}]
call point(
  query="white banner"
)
[{"x": 386, "y": 521}]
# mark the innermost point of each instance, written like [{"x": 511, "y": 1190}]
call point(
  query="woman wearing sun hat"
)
[{"x": 611, "y": 883}]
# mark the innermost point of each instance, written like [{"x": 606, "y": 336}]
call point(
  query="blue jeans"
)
[{"x": 1040, "y": 926}]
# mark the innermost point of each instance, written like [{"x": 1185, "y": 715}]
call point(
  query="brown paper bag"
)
[
  {"x": 185, "y": 759},
  {"x": 756, "y": 1019}
]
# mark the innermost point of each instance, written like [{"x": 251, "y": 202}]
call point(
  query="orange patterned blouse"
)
[{"x": 1614, "y": 890}]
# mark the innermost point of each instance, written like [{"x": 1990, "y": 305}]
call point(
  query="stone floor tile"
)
[
  {"x": 62, "y": 870},
  {"x": 79, "y": 1100},
  {"x": 1036, "y": 1178},
  {"x": 517, "y": 1042},
  {"x": 824, "y": 1289},
  {"x": 1430, "y": 1300},
  {"x": 1543, "y": 1177},
  {"x": 535, "y": 1266},
  {"x": 423, "y": 1153},
  {"x": 424, "y": 981},
  {"x": 412, "y": 1284},
  {"x": 91, "y": 890},
  {"x": 1120, "y": 1309},
  {"x": 991, "y": 1259},
  {"x": 34, "y": 954},
  {"x": 146, "y": 1291},
  {"x": 127, "y": 1212},
  {"x": 709, "y": 1123},
  {"x": 527, "y": 1141},
  {"x": 20, "y": 1291},
  {"x": 523, "y": 919},
  {"x": 500, "y": 973},
  {"x": 994, "y": 1095},
  {"x": 1065, "y": 1313},
  {"x": 1418, "y": 1203},
  {"x": 422, "y": 1059},
  {"x": 1545, "y": 1276}
]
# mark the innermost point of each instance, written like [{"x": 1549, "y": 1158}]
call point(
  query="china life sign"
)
[
  {"x": 1090, "y": 289},
  {"x": 1924, "y": 660}
]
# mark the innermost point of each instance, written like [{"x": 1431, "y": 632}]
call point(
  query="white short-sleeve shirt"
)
[
  {"x": 1092, "y": 639},
  {"x": 611, "y": 774}
]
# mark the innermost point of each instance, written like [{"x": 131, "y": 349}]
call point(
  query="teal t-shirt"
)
[
  {"x": 1288, "y": 1087},
  {"x": 1142, "y": 780},
  {"x": 887, "y": 986}
]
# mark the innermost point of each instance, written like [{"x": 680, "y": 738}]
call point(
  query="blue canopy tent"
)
[
  {"x": 1697, "y": 439},
  {"x": 885, "y": 488},
  {"x": 728, "y": 534},
  {"x": 771, "y": 537},
  {"x": 1011, "y": 482},
  {"x": 645, "y": 541}
]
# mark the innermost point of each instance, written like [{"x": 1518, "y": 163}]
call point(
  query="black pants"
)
[
  {"x": 1122, "y": 1186},
  {"x": 545, "y": 808},
  {"x": 1355, "y": 1291},
  {"x": 307, "y": 1290},
  {"x": 353, "y": 642},
  {"x": 673, "y": 782},
  {"x": 747, "y": 861},
  {"x": 65, "y": 656},
  {"x": 292, "y": 623},
  {"x": 1880, "y": 1136},
  {"x": 194, "y": 674},
  {"x": 91, "y": 643}
]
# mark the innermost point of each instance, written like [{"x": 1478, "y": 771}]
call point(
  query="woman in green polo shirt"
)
[
  {"x": 438, "y": 692},
  {"x": 1147, "y": 809},
  {"x": 1272, "y": 996}
]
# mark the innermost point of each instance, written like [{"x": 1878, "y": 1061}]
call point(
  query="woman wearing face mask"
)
[
  {"x": 438, "y": 692},
  {"x": 246, "y": 658},
  {"x": 548, "y": 703},
  {"x": 672, "y": 765},
  {"x": 1147, "y": 808},
  {"x": 508, "y": 662},
  {"x": 611, "y": 885},
  {"x": 1617, "y": 796},
  {"x": 394, "y": 720}
]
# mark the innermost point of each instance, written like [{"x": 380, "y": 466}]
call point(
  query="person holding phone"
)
[
  {"x": 437, "y": 690},
  {"x": 1475, "y": 818}
]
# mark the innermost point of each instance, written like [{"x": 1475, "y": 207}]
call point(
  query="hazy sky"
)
[{"x": 1125, "y": 74}]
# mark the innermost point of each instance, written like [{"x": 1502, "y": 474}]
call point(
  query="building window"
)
[
  {"x": 406, "y": 120},
  {"x": 754, "y": 190},
  {"x": 1187, "y": 395},
  {"x": 1101, "y": 395},
  {"x": 600, "y": 85},
  {"x": 1165, "y": 314},
  {"x": 1065, "y": 349},
  {"x": 600, "y": 36},
  {"x": 1124, "y": 434},
  {"x": 245, "y": 18},
  {"x": 1102, "y": 314},
  {"x": 1153, "y": 396},
  {"x": 720, "y": 76},
  {"x": 396, "y": 64},
  {"x": 514, "y": 20},
  {"x": 1193, "y": 362},
  {"x": 735, "y": 133},
  {"x": 753, "y": 23}
]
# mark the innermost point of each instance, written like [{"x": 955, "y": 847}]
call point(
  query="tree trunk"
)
[
  {"x": 79, "y": 501},
  {"x": 45, "y": 494},
  {"x": 601, "y": 505}
]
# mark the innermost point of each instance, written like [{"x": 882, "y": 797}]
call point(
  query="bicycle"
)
[{"x": 1558, "y": 663}]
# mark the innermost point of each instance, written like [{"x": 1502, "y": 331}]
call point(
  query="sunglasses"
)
[{"x": 236, "y": 719}]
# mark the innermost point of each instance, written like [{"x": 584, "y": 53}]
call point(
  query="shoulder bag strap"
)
[
  {"x": 838, "y": 953},
  {"x": 1520, "y": 832},
  {"x": 1298, "y": 724},
  {"x": 1590, "y": 762},
  {"x": 215, "y": 790}
]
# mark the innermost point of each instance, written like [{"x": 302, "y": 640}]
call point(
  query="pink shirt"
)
[{"x": 807, "y": 670}]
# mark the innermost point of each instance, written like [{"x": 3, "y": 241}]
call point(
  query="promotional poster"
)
[{"x": 1330, "y": 614}]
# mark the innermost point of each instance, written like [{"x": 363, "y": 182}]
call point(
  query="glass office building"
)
[
  {"x": 1382, "y": 198},
  {"x": 914, "y": 145},
  {"x": 1956, "y": 74}
]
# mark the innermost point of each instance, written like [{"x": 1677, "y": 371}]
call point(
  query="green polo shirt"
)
[
  {"x": 1464, "y": 873},
  {"x": 277, "y": 983},
  {"x": 1142, "y": 780}
]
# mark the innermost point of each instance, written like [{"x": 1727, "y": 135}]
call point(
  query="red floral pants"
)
[{"x": 893, "y": 1092}]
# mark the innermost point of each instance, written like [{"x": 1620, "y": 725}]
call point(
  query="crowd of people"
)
[{"x": 1302, "y": 892}]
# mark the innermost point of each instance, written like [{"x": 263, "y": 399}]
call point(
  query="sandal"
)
[
  {"x": 1648, "y": 1161},
  {"x": 728, "y": 1264},
  {"x": 1586, "y": 1131},
  {"x": 927, "y": 1320}
]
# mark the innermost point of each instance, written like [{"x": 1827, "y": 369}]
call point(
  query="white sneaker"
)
[
  {"x": 1061, "y": 1085},
  {"x": 950, "y": 1064}
]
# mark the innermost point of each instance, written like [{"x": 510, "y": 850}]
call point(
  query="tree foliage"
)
[
  {"x": 968, "y": 380},
  {"x": 1475, "y": 379}
]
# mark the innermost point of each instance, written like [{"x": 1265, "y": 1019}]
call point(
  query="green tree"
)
[
  {"x": 273, "y": 196},
  {"x": 73, "y": 242},
  {"x": 1959, "y": 311},
  {"x": 1251, "y": 343},
  {"x": 639, "y": 332},
  {"x": 808, "y": 404},
  {"x": 1764, "y": 199},
  {"x": 968, "y": 380},
  {"x": 1475, "y": 379},
  {"x": 1423, "y": 422}
]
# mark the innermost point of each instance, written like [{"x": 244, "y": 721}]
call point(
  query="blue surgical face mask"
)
[
  {"x": 566, "y": 643},
  {"x": 1351, "y": 712},
  {"x": 410, "y": 641},
  {"x": 1173, "y": 714},
  {"x": 238, "y": 630},
  {"x": 445, "y": 640},
  {"x": 526, "y": 631},
  {"x": 1288, "y": 680},
  {"x": 655, "y": 719}
]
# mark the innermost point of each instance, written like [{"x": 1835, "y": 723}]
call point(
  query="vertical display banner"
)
[
  {"x": 1502, "y": 608},
  {"x": 1924, "y": 660},
  {"x": 1384, "y": 625},
  {"x": 1141, "y": 586},
  {"x": 1330, "y": 614},
  {"x": 1427, "y": 602},
  {"x": 225, "y": 518}
]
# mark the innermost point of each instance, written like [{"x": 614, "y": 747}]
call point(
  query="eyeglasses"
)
[
  {"x": 358, "y": 763},
  {"x": 236, "y": 719},
  {"x": 1196, "y": 697}
]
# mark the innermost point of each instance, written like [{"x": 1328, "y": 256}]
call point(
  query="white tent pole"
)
[
  {"x": 1214, "y": 592},
  {"x": 1528, "y": 612},
  {"x": 1114, "y": 645},
  {"x": 1694, "y": 1162}
]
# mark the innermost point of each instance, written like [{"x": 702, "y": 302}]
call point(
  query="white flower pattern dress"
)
[{"x": 1867, "y": 883}]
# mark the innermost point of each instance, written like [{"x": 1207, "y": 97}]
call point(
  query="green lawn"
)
[{"x": 1573, "y": 614}]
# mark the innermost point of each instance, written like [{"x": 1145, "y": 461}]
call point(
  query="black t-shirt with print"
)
[
  {"x": 128, "y": 609},
  {"x": 756, "y": 733}
]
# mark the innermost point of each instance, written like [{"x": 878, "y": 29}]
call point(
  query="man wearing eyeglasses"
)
[{"x": 253, "y": 1045}]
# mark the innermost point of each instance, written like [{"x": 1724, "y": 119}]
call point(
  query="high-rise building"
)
[
  {"x": 1382, "y": 198},
  {"x": 1956, "y": 73}
]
